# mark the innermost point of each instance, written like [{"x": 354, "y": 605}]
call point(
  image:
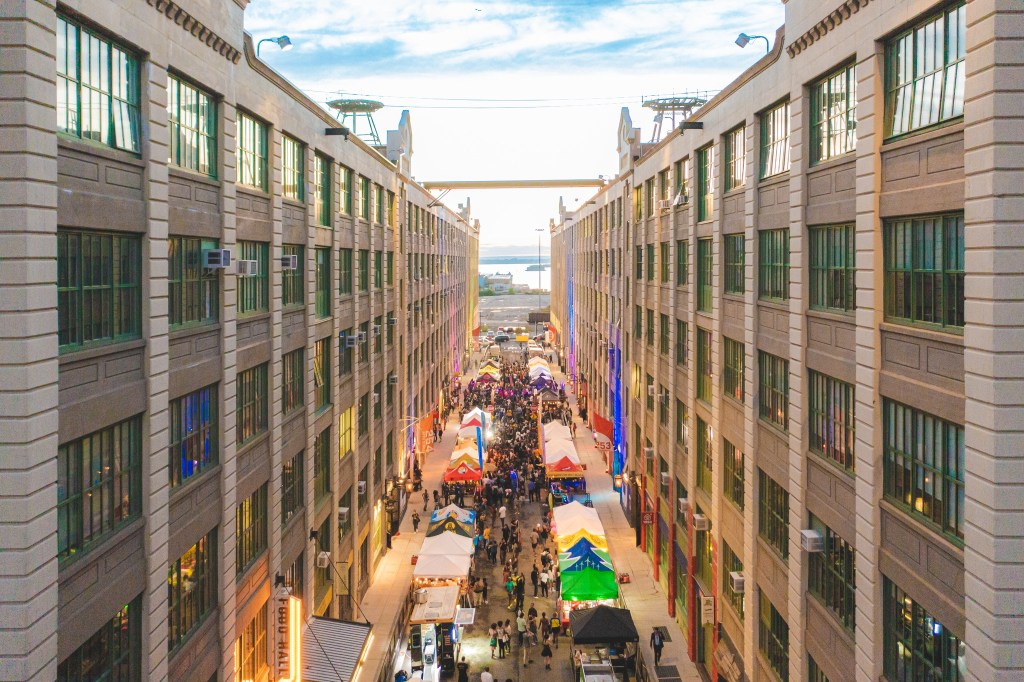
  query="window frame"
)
[
  {"x": 254, "y": 290},
  {"x": 833, "y": 131},
  {"x": 833, "y": 268},
  {"x": 773, "y": 637},
  {"x": 773, "y": 513},
  {"x": 201, "y": 127},
  {"x": 185, "y": 614},
  {"x": 946, "y": 283},
  {"x": 293, "y": 282},
  {"x": 250, "y": 529},
  {"x": 705, "y": 274},
  {"x": 773, "y": 263},
  {"x": 704, "y": 366},
  {"x": 322, "y": 374},
  {"x": 199, "y": 408},
  {"x": 773, "y": 396},
  {"x": 733, "y": 368},
  {"x": 323, "y": 301},
  {"x": 831, "y": 575},
  {"x": 252, "y": 153},
  {"x": 911, "y": 634},
  {"x": 293, "y": 484},
  {"x": 293, "y": 169},
  {"x": 735, "y": 160},
  {"x": 251, "y": 404},
  {"x": 705, "y": 183},
  {"x": 734, "y": 264},
  {"x": 293, "y": 380},
  {"x": 831, "y": 405},
  {"x": 190, "y": 286},
  {"x": 323, "y": 186},
  {"x": 775, "y": 154}
]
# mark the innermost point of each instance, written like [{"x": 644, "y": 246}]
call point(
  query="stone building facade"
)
[
  {"x": 801, "y": 312},
  {"x": 173, "y": 431}
]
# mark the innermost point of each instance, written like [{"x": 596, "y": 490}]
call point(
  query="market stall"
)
[
  {"x": 587, "y": 576},
  {"x": 447, "y": 543},
  {"x": 433, "y": 569},
  {"x": 603, "y": 637}
]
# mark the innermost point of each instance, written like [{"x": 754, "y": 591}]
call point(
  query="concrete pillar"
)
[
  {"x": 28, "y": 342},
  {"x": 993, "y": 344}
]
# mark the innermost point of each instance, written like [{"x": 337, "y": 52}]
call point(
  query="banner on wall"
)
[
  {"x": 425, "y": 434},
  {"x": 604, "y": 432}
]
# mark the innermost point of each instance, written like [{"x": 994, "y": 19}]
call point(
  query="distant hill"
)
[{"x": 525, "y": 260}]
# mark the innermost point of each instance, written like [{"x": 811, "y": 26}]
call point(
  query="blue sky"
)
[{"x": 497, "y": 90}]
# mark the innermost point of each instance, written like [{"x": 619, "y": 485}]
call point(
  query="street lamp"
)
[
  {"x": 284, "y": 42},
  {"x": 743, "y": 39}
]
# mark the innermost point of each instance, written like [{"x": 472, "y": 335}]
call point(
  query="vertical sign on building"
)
[{"x": 287, "y": 628}]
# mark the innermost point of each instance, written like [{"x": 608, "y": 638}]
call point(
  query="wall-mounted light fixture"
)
[
  {"x": 283, "y": 42},
  {"x": 743, "y": 39}
]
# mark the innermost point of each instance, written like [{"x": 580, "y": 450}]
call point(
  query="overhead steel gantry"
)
[{"x": 512, "y": 184}]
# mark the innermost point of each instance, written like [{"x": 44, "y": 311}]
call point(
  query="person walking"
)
[
  {"x": 415, "y": 522},
  {"x": 657, "y": 643},
  {"x": 546, "y": 653},
  {"x": 502, "y": 513},
  {"x": 484, "y": 592},
  {"x": 556, "y": 625},
  {"x": 535, "y": 579},
  {"x": 426, "y": 499},
  {"x": 545, "y": 578},
  {"x": 486, "y": 675},
  {"x": 463, "y": 669},
  {"x": 492, "y": 632}
]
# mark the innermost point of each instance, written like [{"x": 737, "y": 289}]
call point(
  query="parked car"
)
[{"x": 501, "y": 338}]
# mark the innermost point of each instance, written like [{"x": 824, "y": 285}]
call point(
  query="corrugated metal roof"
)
[{"x": 331, "y": 649}]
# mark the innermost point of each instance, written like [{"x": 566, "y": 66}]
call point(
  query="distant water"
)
[{"x": 519, "y": 274}]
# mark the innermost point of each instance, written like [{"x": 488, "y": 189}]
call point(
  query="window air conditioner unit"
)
[
  {"x": 290, "y": 262},
  {"x": 361, "y": 487},
  {"x": 376, "y": 330},
  {"x": 323, "y": 560},
  {"x": 376, "y": 397},
  {"x": 248, "y": 268},
  {"x": 217, "y": 259},
  {"x": 392, "y": 321},
  {"x": 664, "y": 479},
  {"x": 736, "y": 581},
  {"x": 811, "y": 541},
  {"x": 683, "y": 504},
  {"x": 351, "y": 342},
  {"x": 664, "y": 204},
  {"x": 649, "y": 453},
  {"x": 393, "y": 379},
  {"x": 679, "y": 200},
  {"x": 701, "y": 522},
  {"x": 650, "y": 390},
  {"x": 342, "y": 516},
  {"x": 362, "y": 337}
]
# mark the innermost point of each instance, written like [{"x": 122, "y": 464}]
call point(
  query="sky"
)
[{"x": 525, "y": 89}]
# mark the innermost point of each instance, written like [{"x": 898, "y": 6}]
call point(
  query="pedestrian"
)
[
  {"x": 545, "y": 577},
  {"x": 478, "y": 592},
  {"x": 484, "y": 593},
  {"x": 546, "y": 653},
  {"x": 415, "y": 522},
  {"x": 535, "y": 579},
  {"x": 463, "y": 668},
  {"x": 492, "y": 632},
  {"x": 426, "y": 499},
  {"x": 499, "y": 633},
  {"x": 657, "y": 643},
  {"x": 521, "y": 627},
  {"x": 556, "y": 625},
  {"x": 502, "y": 512},
  {"x": 437, "y": 500},
  {"x": 486, "y": 675},
  {"x": 508, "y": 635}
]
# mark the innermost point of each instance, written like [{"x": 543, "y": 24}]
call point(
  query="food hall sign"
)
[{"x": 287, "y": 629}]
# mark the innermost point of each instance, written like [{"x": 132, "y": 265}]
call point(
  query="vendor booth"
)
[
  {"x": 441, "y": 569},
  {"x": 604, "y": 637},
  {"x": 454, "y": 512},
  {"x": 433, "y": 634},
  {"x": 556, "y": 431},
  {"x": 447, "y": 543}
]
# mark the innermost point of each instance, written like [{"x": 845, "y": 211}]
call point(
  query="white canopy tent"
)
[
  {"x": 571, "y": 518},
  {"x": 447, "y": 543},
  {"x": 442, "y": 566},
  {"x": 556, "y": 431},
  {"x": 452, "y": 510}
]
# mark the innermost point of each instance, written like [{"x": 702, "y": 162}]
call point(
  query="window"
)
[
  {"x": 251, "y": 648},
  {"x": 378, "y": 268},
  {"x": 916, "y": 646},
  {"x": 682, "y": 351},
  {"x": 378, "y": 334},
  {"x": 192, "y": 127},
  {"x": 322, "y": 189},
  {"x": 925, "y": 72},
  {"x": 391, "y": 268},
  {"x": 924, "y": 466},
  {"x": 345, "y": 178},
  {"x": 323, "y": 282},
  {"x": 98, "y": 485},
  {"x": 814, "y": 673},
  {"x": 345, "y": 271},
  {"x": 773, "y": 513},
  {"x": 345, "y": 352},
  {"x": 322, "y": 372},
  {"x": 705, "y": 183},
  {"x": 346, "y": 441},
  {"x": 322, "y": 578},
  {"x": 681, "y": 173},
  {"x": 322, "y": 464},
  {"x": 251, "y": 399},
  {"x": 253, "y": 290},
  {"x": 98, "y": 292},
  {"x": 193, "y": 434},
  {"x": 191, "y": 589},
  {"x": 364, "y": 198},
  {"x": 732, "y": 375},
  {"x": 773, "y": 637},
  {"x": 293, "y": 167},
  {"x": 735, "y": 159},
  {"x": 731, "y": 564},
  {"x": 733, "y": 473},
  {"x": 773, "y": 378},
  {"x": 293, "y": 380},
  {"x": 293, "y": 472},
  {"x": 649, "y": 206},
  {"x": 97, "y": 88},
  {"x": 924, "y": 270},
  {"x": 650, "y": 327},
  {"x": 775, "y": 140},
  {"x": 735, "y": 273},
  {"x": 378, "y": 204},
  {"x": 664, "y": 329},
  {"x": 191, "y": 288},
  {"x": 293, "y": 282},
  {"x": 705, "y": 261},
  {"x": 364, "y": 343},
  {"x": 773, "y": 265},
  {"x": 364, "y": 270},
  {"x": 252, "y": 152},
  {"x": 682, "y": 430},
  {"x": 364, "y": 414},
  {"x": 650, "y": 392},
  {"x": 831, "y": 431},
  {"x": 834, "y": 114},
  {"x": 704, "y": 555},
  {"x": 650, "y": 262},
  {"x": 831, "y": 574},
  {"x": 833, "y": 266},
  {"x": 250, "y": 529},
  {"x": 703, "y": 365},
  {"x": 682, "y": 262},
  {"x": 639, "y": 262},
  {"x": 666, "y": 262},
  {"x": 705, "y": 456},
  {"x": 107, "y": 654}
]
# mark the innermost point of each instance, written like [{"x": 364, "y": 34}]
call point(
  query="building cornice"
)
[
  {"x": 189, "y": 23},
  {"x": 820, "y": 29}
]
